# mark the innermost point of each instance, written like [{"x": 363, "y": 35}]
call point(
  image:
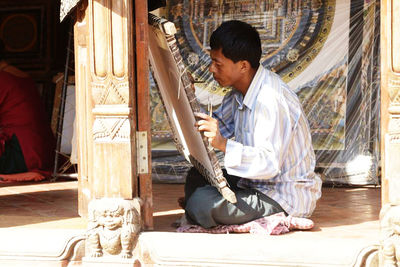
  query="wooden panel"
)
[
  {"x": 384, "y": 98},
  {"x": 119, "y": 49},
  {"x": 143, "y": 105},
  {"x": 396, "y": 35},
  {"x": 83, "y": 108},
  {"x": 100, "y": 37},
  {"x": 24, "y": 26}
]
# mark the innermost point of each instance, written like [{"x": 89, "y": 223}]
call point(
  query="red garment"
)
[{"x": 22, "y": 113}]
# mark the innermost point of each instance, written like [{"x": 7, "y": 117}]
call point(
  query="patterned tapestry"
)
[{"x": 325, "y": 50}]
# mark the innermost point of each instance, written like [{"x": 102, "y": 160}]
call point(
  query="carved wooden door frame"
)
[
  {"x": 116, "y": 95},
  {"x": 390, "y": 133}
]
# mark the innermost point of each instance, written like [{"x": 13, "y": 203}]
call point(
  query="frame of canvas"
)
[{"x": 177, "y": 93}]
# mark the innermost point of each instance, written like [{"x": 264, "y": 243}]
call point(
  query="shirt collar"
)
[
  {"x": 254, "y": 88},
  {"x": 239, "y": 99}
]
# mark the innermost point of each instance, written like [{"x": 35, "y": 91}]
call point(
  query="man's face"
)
[{"x": 224, "y": 70}]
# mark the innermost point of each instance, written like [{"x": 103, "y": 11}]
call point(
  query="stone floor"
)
[{"x": 343, "y": 216}]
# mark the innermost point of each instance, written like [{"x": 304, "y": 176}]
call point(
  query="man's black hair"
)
[{"x": 238, "y": 40}]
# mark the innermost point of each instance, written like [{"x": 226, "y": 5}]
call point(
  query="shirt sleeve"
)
[
  {"x": 262, "y": 159},
  {"x": 225, "y": 116}
]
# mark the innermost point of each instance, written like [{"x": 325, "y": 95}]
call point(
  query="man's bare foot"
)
[{"x": 300, "y": 223}]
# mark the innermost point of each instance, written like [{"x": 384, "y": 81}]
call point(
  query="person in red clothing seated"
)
[{"x": 26, "y": 141}]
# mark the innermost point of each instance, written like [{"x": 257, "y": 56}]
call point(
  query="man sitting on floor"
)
[
  {"x": 26, "y": 140},
  {"x": 270, "y": 162}
]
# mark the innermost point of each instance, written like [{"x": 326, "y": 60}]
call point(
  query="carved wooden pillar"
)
[
  {"x": 112, "y": 89},
  {"x": 390, "y": 128},
  {"x": 112, "y": 92}
]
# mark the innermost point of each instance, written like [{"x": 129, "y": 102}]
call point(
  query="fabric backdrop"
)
[{"x": 328, "y": 53}]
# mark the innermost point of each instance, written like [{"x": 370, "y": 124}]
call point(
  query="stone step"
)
[
  {"x": 62, "y": 247},
  {"x": 293, "y": 249}
]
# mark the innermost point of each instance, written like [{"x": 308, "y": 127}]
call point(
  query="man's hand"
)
[{"x": 210, "y": 129}]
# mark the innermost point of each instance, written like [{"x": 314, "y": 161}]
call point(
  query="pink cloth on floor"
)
[
  {"x": 19, "y": 177},
  {"x": 275, "y": 224}
]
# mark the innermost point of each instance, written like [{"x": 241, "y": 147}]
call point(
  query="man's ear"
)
[{"x": 245, "y": 66}]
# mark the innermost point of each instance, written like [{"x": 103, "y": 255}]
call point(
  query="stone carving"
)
[
  {"x": 113, "y": 227},
  {"x": 390, "y": 236}
]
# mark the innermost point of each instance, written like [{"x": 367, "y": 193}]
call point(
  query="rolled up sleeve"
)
[{"x": 233, "y": 154}]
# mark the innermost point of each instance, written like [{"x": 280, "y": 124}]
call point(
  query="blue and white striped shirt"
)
[{"x": 272, "y": 149}]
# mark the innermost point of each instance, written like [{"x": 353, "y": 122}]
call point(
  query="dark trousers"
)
[
  {"x": 12, "y": 160},
  {"x": 205, "y": 206}
]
